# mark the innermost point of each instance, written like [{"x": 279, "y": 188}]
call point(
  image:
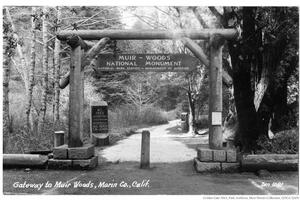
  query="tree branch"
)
[
  {"x": 218, "y": 15},
  {"x": 199, "y": 18}
]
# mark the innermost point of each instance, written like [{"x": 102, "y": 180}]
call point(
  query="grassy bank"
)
[{"x": 123, "y": 121}]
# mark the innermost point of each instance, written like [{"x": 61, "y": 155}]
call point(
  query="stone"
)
[
  {"x": 219, "y": 155},
  {"x": 100, "y": 139},
  {"x": 79, "y": 153},
  {"x": 263, "y": 173},
  {"x": 206, "y": 166},
  {"x": 230, "y": 167},
  {"x": 60, "y": 152},
  {"x": 50, "y": 155},
  {"x": 85, "y": 164},
  {"x": 59, "y": 164},
  {"x": 231, "y": 156},
  {"x": 204, "y": 155},
  {"x": 59, "y": 138}
]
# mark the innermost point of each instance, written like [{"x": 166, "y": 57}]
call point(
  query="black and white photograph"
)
[{"x": 150, "y": 100}]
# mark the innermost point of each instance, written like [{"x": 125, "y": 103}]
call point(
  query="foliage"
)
[
  {"x": 202, "y": 122},
  {"x": 112, "y": 86},
  {"x": 22, "y": 139},
  {"x": 137, "y": 98},
  {"x": 130, "y": 115},
  {"x": 262, "y": 60},
  {"x": 284, "y": 142},
  {"x": 142, "y": 89},
  {"x": 169, "y": 96}
]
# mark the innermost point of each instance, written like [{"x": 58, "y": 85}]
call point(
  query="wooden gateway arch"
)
[{"x": 78, "y": 41}]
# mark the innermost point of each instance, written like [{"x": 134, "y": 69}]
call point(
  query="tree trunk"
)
[
  {"x": 271, "y": 162},
  {"x": 31, "y": 71},
  {"x": 45, "y": 73},
  {"x": 24, "y": 160},
  {"x": 280, "y": 109},
  {"x": 191, "y": 119},
  {"x": 6, "y": 77},
  {"x": 19, "y": 49},
  {"x": 261, "y": 88},
  {"x": 57, "y": 71},
  {"x": 255, "y": 57},
  {"x": 242, "y": 61}
]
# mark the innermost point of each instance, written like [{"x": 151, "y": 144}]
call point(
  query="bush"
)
[
  {"x": 173, "y": 114},
  {"x": 129, "y": 115},
  {"x": 152, "y": 116},
  {"x": 125, "y": 120},
  {"x": 284, "y": 142},
  {"x": 202, "y": 122},
  {"x": 22, "y": 139}
]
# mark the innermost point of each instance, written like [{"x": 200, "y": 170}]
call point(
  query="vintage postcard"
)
[{"x": 151, "y": 100}]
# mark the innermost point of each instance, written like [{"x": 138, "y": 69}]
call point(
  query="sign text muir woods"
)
[{"x": 146, "y": 62}]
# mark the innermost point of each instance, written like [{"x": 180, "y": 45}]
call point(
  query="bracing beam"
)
[
  {"x": 196, "y": 50},
  {"x": 150, "y": 34},
  {"x": 199, "y": 53},
  {"x": 94, "y": 50}
]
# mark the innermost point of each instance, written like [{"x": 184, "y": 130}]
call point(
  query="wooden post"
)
[
  {"x": 215, "y": 92},
  {"x": 145, "y": 150},
  {"x": 75, "y": 97},
  {"x": 59, "y": 138}
]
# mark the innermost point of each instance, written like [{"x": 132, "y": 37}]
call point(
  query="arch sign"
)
[{"x": 146, "y": 62}]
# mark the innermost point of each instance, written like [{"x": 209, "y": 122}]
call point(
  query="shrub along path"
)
[{"x": 171, "y": 172}]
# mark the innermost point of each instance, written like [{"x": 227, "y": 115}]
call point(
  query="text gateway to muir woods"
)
[{"x": 146, "y": 62}]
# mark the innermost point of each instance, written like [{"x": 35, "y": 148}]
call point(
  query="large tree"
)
[{"x": 259, "y": 73}]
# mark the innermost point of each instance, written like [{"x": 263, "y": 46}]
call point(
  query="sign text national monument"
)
[{"x": 146, "y": 62}]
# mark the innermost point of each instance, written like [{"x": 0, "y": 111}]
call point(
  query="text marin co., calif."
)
[{"x": 79, "y": 184}]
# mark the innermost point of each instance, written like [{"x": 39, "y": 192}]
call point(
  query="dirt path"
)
[
  {"x": 171, "y": 172},
  {"x": 167, "y": 144}
]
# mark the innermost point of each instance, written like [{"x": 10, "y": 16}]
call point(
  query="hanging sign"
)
[{"x": 146, "y": 62}]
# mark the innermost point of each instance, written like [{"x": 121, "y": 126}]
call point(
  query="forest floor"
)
[{"x": 171, "y": 172}]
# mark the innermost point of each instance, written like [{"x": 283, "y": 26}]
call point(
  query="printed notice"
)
[
  {"x": 99, "y": 119},
  {"x": 216, "y": 118}
]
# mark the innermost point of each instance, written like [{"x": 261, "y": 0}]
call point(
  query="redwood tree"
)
[{"x": 268, "y": 35}]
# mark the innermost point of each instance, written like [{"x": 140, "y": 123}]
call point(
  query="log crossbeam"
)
[{"x": 132, "y": 34}]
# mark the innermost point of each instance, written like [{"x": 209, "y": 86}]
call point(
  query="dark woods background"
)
[{"x": 260, "y": 102}]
